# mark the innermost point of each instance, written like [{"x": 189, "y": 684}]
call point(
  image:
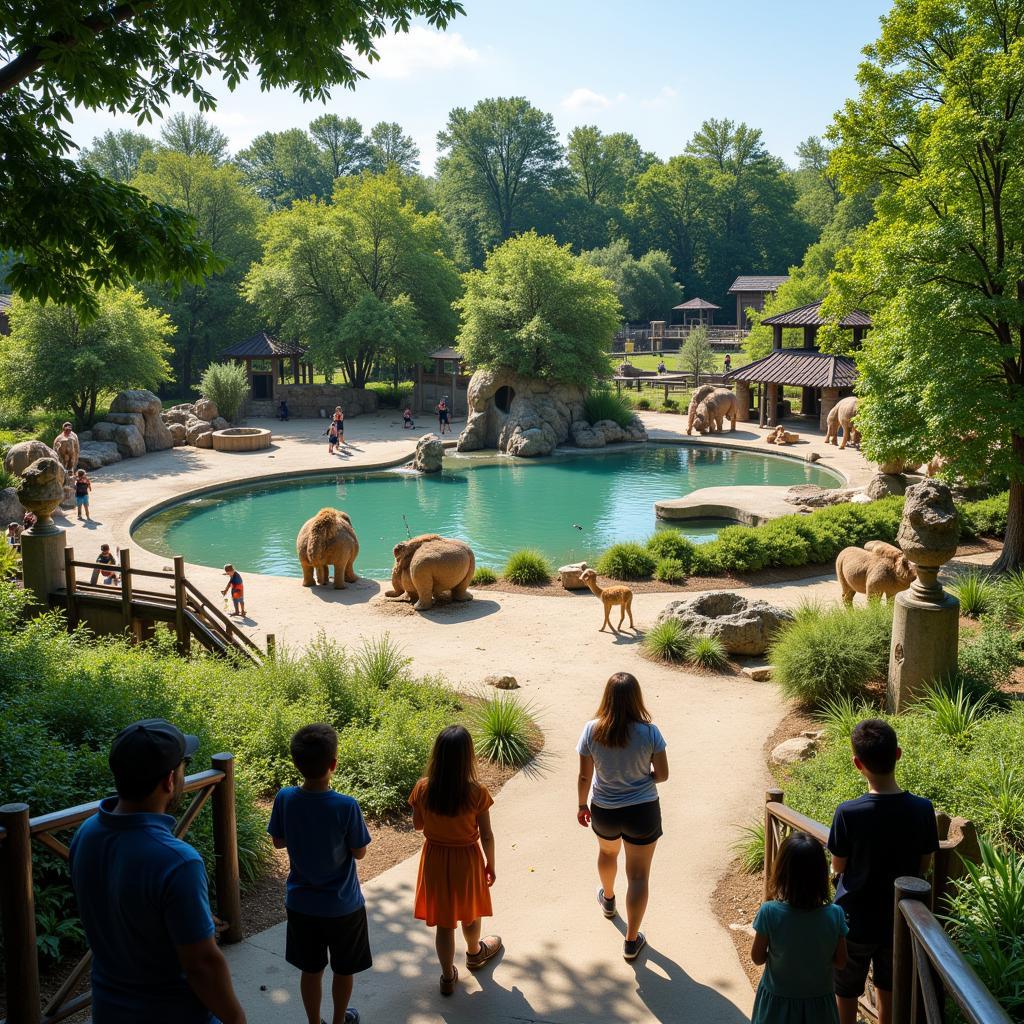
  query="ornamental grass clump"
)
[
  {"x": 671, "y": 544},
  {"x": 749, "y": 847},
  {"x": 708, "y": 652},
  {"x": 483, "y": 576},
  {"x": 668, "y": 641},
  {"x": 528, "y": 568},
  {"x": 627, "y": 561},
  {"x": 603, "y": 404},
  {"x": 501, "y": 726},
  {"x": 977, "y": 594},
  {"x": 226, "y": 385}
]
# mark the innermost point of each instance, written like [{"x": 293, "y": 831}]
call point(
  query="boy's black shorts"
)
[
  {"x": 311, "y": 938},
  {"x": 851, "y": 979}
]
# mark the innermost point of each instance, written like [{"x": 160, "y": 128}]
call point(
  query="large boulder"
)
[
  {"x": 176, "y": 415},
  {"x": 813, "y": 496},
  {"x": 205, "y": 409},
  {"x": 743, "y": 626},
  {"x": 219, "y": 423},
  {"x": 195, "y": 429},
  {"x": 94, "y": 454},
  {"x": 429, "y": 454},
  {"x": 21, "y": 455},
  {"x": 130, "y": 419},
  {"x": 130, "y": 441},
  {"x": 884, "y": 485},
  {"x": 799, "y": 748},
  {"x": 178, "y": 434},
  {"x": 139, "y": 401},
  {"x": 11, "y": 509}
]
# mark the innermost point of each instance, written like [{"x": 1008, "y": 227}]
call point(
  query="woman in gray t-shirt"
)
[{"x": 622, "y": 759}]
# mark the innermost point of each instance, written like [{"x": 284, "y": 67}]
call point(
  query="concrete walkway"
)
[{"x": 563, "y": 961}]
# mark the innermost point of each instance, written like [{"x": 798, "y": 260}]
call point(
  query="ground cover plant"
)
[
  {"x": 483, "y": 576},
  {"x": 501, "y": 728}
]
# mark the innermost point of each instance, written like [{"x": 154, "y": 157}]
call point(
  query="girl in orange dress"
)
[{"x": 451, "y": 809}]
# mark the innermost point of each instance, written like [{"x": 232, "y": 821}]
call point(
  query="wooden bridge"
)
[{"x": 137, "y": 600}]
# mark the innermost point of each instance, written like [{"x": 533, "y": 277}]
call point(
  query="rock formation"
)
[
  {"x": 142, "y": 403},
  {"x": 21, "y": 455},
  {"x": 429, "y": 454},
  {"x": 11, "y": 508},
  {"x": 743, "y": 626}
]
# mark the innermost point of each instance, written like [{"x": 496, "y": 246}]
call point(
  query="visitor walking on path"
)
[
  {"x": 338, "y": 420},
  {"x": 14, "y": 531},
  {"x": 873, "y": 841},
  {"x": 800, "y": 937},
  {"x": 282, "y": 411},
  {"x": 452, "y": 810},
  {"x": 407, "y": 423},
  {"x": 324, "y": 834},
  {"x": 728, "y": 362},
  {"x": 622, "y": 760},
  {"x": 83, "y": 485},
  {"x": 142, "y": 893},
  {"x": 237, "y": 588},
  {"x": 442, "y": 416}
]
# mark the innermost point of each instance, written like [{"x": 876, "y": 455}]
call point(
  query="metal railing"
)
[{"x": 18, "y": 832}]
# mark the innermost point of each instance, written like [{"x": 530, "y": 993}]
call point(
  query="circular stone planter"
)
[{"x": 241, "y": 439}]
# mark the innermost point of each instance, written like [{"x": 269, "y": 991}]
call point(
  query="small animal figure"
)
[
  {"x": 611, "y": 597},
  {"x": 842, "y": 414},
  {"x": 781, "y": 436},
  {"x": 875, "y": 570}
]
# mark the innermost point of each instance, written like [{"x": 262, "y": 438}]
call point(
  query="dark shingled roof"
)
[
  {"x": 445, "y": 353},
  {"x": 262, "y": 346},
  {"x": 797, "y": 367},
  {"x": 5, "y": 302},
  {"x": 810, "y": 316},
  {"x": 758, "y": 283},
  {"x": 697, "y": 304}
]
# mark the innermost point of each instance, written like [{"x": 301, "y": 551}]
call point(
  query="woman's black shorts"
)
[{"x": 639, "y": 824}]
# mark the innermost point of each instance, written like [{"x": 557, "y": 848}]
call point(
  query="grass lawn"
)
[{"x": 649, "y": 361}]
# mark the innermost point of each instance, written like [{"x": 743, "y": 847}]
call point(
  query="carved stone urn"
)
[
  {"x": 928, "y": 535},
  {"x": 41, "y": 491}
]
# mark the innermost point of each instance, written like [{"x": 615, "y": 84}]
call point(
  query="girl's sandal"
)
[
  {"x": 448, "y": 984},
  {"x": 489, "y": 948}
]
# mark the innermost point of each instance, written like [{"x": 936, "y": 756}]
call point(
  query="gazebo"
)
[
  {"x": 697, "y": 312},
  {"x": 267, "y": 361}
]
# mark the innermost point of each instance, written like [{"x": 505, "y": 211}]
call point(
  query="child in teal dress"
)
[{"x": 801, "y": 936}]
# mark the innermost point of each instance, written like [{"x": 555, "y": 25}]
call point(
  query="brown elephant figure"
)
[
  {"x": 878, "y": 569},
  {"x": 842, "y": 414},
  {"x": 428, "y": 565},
  {"x": 709, "y": 409},
  {"x": 325, "y": 540}
]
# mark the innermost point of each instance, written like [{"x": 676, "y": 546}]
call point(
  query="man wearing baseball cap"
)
[{"x": 142, "y": 893}]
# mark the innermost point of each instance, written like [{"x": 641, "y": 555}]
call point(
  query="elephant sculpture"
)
[
  {"x": 709, "y": 408},
  {"x": 875, "y": 570},
  {"x": 842, "y": 414},
  {"x": 325, "y": 540},
  {"x": 427, "y": 566}
]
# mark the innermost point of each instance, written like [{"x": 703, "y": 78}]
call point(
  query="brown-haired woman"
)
[
  {"x": 451, "y": 808},
  {"x": 622, "y": 759}
]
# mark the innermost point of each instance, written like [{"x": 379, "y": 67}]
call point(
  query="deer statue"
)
[{"x": 610, "y": 597}]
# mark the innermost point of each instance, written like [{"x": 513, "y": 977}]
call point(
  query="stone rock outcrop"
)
[
  {"x": 11, "y": 508},
  {"x": 138, "y": 402},
  {"x": 429, "y": 454},
  {"x": 127, "y": 437},
  {"x": 597, "y": 435},
  {"x": 219, "y": 423},
  {"x": 195, "y": 429},
  {"x": 570, "y": 576},
  {"x": 205, "y": 409},
  {"x": 502, "y": 682},
  {"x": 799, "y": 748},
  {"x": 884, "y": 485},
  {"x": 176, "y": 415},
  {"x": 94, "y": 454},
  {"x": 177, "y": 433},
  {"x": 21, "y": 455},
  {"x": 743, "y": 626},
  {"x": 813, "y": 496}
]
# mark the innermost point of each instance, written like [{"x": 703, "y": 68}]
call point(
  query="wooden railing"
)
[
  {"x": 17, "y": 906},
  {"x": 927, "y": 966},
  {"x": 194, "y": 614}
]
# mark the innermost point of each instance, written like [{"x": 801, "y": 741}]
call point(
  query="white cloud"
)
[
  {"x": 662, "y": 98},
  {"x": 420, "y": 49},
  {"x": 585, "y": 99}
]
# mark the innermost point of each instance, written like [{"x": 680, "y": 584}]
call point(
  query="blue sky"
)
[{"x": 655, "y": 68}]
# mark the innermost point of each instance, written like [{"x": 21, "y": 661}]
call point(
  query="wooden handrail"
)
[{"x": 226, "y": 624}]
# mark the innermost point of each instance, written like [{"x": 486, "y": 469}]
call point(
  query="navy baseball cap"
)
[{"x": 144, "y": 752}]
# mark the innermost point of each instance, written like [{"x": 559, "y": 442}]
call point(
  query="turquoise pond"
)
[{"x": 569, "y": 507}]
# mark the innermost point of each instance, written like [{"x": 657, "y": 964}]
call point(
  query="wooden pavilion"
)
[
  {"x": 444, "y": 377},
  {"x": 823, "y": 379},
  {"x": 697, "y": 312},
  {"x": 268, "y": 361},
  {"x": 751, "y": 291}
]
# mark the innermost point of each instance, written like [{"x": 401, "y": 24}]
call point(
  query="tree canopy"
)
[
  {"x": 53, "y": 358},
  {"x": 645, "y": 287},
  {"x": 538, "y": 310},
  {"x": 72, "y": 231},
  {"x": 117, "y": 154}
]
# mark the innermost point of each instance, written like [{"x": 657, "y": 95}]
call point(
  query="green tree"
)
[
  {"x": 69, "y": 229},
  {"x": 193, "y": 135},
  {"x": 116, "y": 155},
  {"x": 540, "y": 311},
  {"x": 322, "y": 259},
  {"x": 816, "y": 185},
  {"x": 603, "y": 167},
  {"x": 697, "y": 356},
  {"x": 341, "y": 142},
  {"x": 55, "y": 359},
  {"x": 498, "y": 158},
  {"x": 227, "y": 217},
  {"x": 389, "y": 146},
  {"x": 936, "y": 129},
  {"x": 645, "y": 287},
  {"x": 282, "y": 167}
]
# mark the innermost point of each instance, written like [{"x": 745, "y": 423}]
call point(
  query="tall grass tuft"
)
[
  {"x": 500, "y": 725},
  {"x": 708, "y": 652},
  {"x": 528, "y": 568},
  {"x": 1006, "y": 793},
  {"x": 380, "y": 661},
  {"x": 483, "y": 576},
  {"x": 668, "y": 641},
  {"x": 956, "y": 714},
  {"x": 976, "y": 593},
  {"x": 604, "y": 404},
  {"x": 670, "y": 570},
  {"x": 839, "y": 715},
  {"x": 749, "y": 847},
  {"x": 226, "y": 385}
]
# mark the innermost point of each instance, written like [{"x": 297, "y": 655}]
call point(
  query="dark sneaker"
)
[
  {"x": 607, "y": 906},
  {"x": 631, "y": 950}
]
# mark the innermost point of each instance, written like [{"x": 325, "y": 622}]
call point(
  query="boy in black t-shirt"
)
[{"x": 874, "y": 840}]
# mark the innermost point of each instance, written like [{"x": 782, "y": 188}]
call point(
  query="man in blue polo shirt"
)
[{"x": 142, "y": 893}]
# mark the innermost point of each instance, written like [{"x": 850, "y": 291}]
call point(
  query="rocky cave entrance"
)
[{"x": 503, "y": 398}]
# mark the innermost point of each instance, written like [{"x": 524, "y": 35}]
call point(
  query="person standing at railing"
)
[
  {"x": 237, "y": 588},
  {"x": 874, "y": 840},
  {"x": 800, "y": 937},
  {"x": 143, "y": 893}
]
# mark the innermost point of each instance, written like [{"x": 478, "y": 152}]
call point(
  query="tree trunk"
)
[{"x": 1013, "y": 543}]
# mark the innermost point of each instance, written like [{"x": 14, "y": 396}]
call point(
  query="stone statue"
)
[
  {"x": 710, "y": 406},
  {"x": 928, "y": 534},
  {"x": 875, "y": 570},
  {"x": 67, "y": 447},
  {"x": 41, "y": 491},
  {"x": 428, "y": 565},
  {"x": 325, "y": 540},
  {"x": 842, "y": 414}
]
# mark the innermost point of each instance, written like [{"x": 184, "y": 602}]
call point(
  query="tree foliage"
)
[
  {"x": 342, "y": 143},
  {"x": 645, "y": 287},
  {"x": 72, "y": 231},
  {"x": 55, "y": 359},
  {"x": 282, "y": 167},
  {"x": 117, "y": 155},
  {"x": 697, "y": 356},
  {"x": 388, "y": 146},
  {"x": 540, "y": 311},
  {"x": 193, "y": 135}
]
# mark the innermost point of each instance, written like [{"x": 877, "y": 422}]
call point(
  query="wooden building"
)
[
  {"x": 444, "y": 377},
  {"x": 752, "y": 292},
  {"x": 697, "y": 312},
  {"x": 5, "y": 323},
  {"x": 269, "y": 362}
]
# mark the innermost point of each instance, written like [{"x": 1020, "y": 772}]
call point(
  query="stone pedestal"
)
[
  {"x": 42, "y": 558},
  {"x": 829, "y": 399},
  {"x": 742, "y": 401},
  {"x": 925, "y": 634}
]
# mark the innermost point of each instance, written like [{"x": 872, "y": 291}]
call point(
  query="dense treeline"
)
[{"x": 659, "y": 230}]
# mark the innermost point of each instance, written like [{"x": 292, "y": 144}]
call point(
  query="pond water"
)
[{"x": 570, "y": 507}]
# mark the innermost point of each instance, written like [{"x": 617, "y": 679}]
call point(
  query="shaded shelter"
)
[
  {"x": 445, "y": 376},
  {"x": 268, "y": 360},
  {"x": 752, "y": 291},
  {"x": 697, "y": 312}
]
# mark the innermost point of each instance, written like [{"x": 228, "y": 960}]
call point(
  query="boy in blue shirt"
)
[{"x": 325, "y": 834}]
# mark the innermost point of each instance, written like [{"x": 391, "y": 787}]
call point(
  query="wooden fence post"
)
[
  {"x": 271, "y": 646},
  {"x": 126, "y": 589},
  {"x": 180, "y": 628},
  {"x": 18, "y": 916},
  {"x": 225, "y": 848},
  {"x": 903, "y": 978},
  {"x": 771, "y": 796},
  {"x": 69, "y": 587}
]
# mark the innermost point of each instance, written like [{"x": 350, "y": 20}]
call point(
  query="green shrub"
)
[
  {"x": 227, "y": 386},
  {"x": 671, "y": 544},
  {"x": 501, "y": 730},
  {"x": 976, "y": 592},
  {"x": 988, "y": 658},
  {"x": 749, "y": 847},
  {"x": 626, "y": 561},
  {"x": 483, "y": 576},
  {"x": 985, "y": 518},
  {"x": 1009, "y": 604},
  {"x": 835, "y": 654},
  {"x": 528, "y": 568},
  {"x": 7, "y": 479},
  {"x": 707, "y": 560},
  {"x": 603, "y": 404},
  {"x": 390, "y": 396},
  {"x": 643, "y": 402},
  {"x": 670, "y": 570},
  {"x": 1006, "y": 796},
  {"x": 668, "y": 641},
  {"x": 708, "y": 652}
]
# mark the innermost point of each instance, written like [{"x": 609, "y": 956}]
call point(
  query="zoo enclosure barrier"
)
[
  {"x": 927, "y": 966},
  {"x": 17, "y": 905}
]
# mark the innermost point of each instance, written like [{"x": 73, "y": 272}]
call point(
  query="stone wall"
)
[{"x": 306, "y": 401}]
